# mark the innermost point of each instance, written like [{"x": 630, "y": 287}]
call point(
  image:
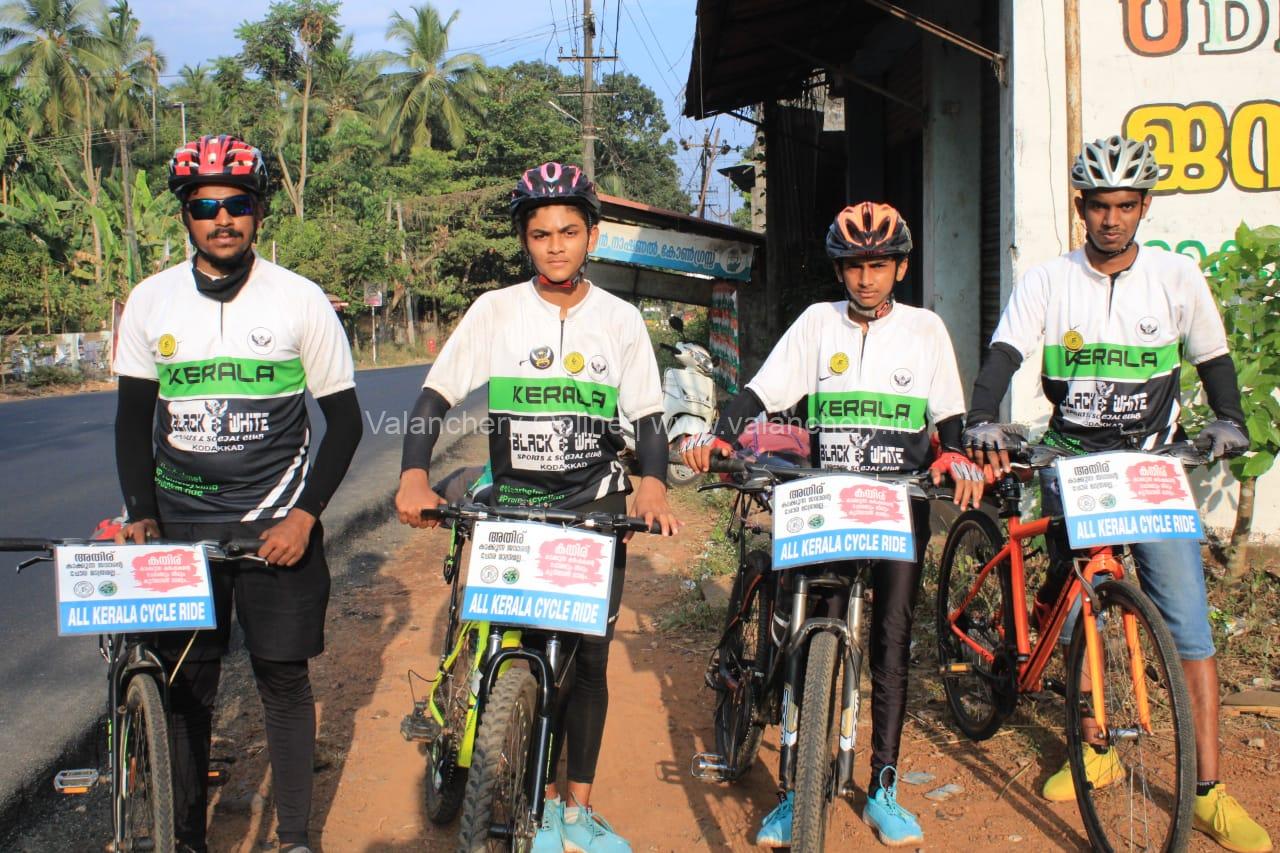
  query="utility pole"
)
[
  {"x": 588, "y": 83},
  {"x": 711, "y": 148},
  {"x": 588, "y": 92}
]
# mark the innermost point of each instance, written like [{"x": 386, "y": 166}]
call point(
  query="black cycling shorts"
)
[{"x": 281, "y": 609}]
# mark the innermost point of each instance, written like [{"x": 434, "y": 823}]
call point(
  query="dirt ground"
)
[
  {"x": 387, "y": 618},
  {"x": 369, "y": 783}
]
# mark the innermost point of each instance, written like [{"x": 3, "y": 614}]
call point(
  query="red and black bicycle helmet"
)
[
  {"x": 866, "y": 230},
  {"x": 221, "y": 159},
  {"x": 554, "y": 183}
]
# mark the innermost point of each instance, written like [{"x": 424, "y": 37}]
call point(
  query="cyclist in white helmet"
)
[{"x": 1116, "y": 320}]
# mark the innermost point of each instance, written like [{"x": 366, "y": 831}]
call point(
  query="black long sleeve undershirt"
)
[
  {"x": 742, "y": 410},
  {"x": 992, "y": 384},
  {"x": 426, "y": 422},
  {"x": 1222, "y": 388},
  {"x": 342, "y": 431},
  {"x": 951, "y": 432},
  {"x": 135, "y": 454},
  {"x": 652, "y": 451}
]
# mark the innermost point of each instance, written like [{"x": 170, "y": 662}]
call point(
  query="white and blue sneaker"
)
[
  {"x": 550, "y": 835},
  {"x": 775, "y": 829},
  {"x": 584, "y": 831},
  {"x": 894, "y": 825}
]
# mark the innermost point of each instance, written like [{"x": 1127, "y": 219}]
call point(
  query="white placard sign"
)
[
  {"x": 1123, "y": 498},
  {"x": 840, "y": 517},
  {"x": 540, "y": 576},
  {"x": 105, "y": 588}
]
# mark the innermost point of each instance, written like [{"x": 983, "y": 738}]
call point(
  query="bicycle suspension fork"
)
[
  {"x": 791, "y": 684},
  {"x": 851, "y": 696}
]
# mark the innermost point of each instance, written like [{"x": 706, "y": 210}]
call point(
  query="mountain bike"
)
[
  {"x": 138, "y": 762},
  {"x": 489, "y": 721},
  {"x": 1122, "y": 669},
  {"x": 769, "y": 668}
]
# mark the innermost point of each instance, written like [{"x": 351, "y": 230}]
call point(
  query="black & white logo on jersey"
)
[
  {"x": 1148, "y": 328},
  {"x": 262, "y": 341},
  {"x": 902, "y": 380},
  {"x": 541, "y": 357},
  {"x": 598, "y": 366}
]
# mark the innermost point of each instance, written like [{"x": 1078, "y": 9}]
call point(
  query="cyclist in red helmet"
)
[
  {"x": 214, "y": 360},
  {"x": 861, "y": 348},
  {"x": 557, "y": 332}
]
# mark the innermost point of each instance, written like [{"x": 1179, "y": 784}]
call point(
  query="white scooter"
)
[{"x": 688, "y": 402}]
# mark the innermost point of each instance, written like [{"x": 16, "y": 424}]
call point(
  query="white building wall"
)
[{"x": 1195, "y": 76}]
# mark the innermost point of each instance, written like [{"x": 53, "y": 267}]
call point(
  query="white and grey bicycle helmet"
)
[{"x": 1115, "y": 163}]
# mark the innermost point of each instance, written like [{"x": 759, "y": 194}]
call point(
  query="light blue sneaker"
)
[
  {"x": 587, "y": 832},
  {"x": 775, "y": 829},
  {"x": 550, "y": 835},
  {"x": 894, "y": 825}
]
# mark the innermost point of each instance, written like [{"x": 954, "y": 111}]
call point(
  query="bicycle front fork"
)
[{"x": 850, "y": 697}]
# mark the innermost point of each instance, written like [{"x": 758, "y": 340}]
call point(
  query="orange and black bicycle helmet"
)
[{"x": 866, "y": 230}]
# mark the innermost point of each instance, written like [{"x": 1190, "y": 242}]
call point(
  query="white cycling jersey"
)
[
  {"x": 231, "y": 427},
  {"x": 1113, "y": 344},
  {"x": 556, "y": 388},
  {"x": 872, "y": 395}
]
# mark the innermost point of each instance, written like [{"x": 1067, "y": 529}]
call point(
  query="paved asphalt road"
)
[{"x": 57, "y": 469}]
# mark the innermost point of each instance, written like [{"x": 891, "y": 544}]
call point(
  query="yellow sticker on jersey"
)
[
  {"x": 839, "y": 363},
  {"x": 1073, "y": 341},
  {"x": 574, "y": 362},
  {"x": 167, "y": 346}
]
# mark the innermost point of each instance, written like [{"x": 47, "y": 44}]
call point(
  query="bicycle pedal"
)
[
  {"x": 709, "y": 767},
  {"x": 77, "y": 781},
  {"x": 216, "y": 778},
  {"x": 954, "y": 669},
  {"x": 417, "y": 726}
]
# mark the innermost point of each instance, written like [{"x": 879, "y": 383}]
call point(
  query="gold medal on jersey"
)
[
  {"x": 167, "y": 346},
  {"x": 574, "y": 362},
  {"x": 1073, "y": 341},
  {"x": 839, "y": 363}
]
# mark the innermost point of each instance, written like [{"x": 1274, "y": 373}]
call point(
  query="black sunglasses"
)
[{"x": 207, "y": 208}]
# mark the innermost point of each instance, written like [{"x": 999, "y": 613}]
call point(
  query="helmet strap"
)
[
  {"x": 1108, "y": 255},
  {"x": 566, "y": 285},
  {"x": 879, "y": 312}
]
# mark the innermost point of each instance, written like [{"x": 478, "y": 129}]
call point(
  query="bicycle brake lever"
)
[{"x": 31, "y": 561}]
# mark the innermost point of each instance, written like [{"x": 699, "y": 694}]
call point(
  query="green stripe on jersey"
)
[
  {"x": 231, "y": 377},
  {"x": 1110, "y": 361},
  {"x": 552, "y": 396},
  {"x": 865, "y": 408}
]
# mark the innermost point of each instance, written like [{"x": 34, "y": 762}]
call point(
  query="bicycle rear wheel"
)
[
  {"x": 980, "y": 691},
  {"x": 815, "y": 749},
  {"x": 1147, "y": 805},
  {"x": 146, "y": 771},
  {"x": 740, "y": 711},
  {"x": 496, "y": 783}
]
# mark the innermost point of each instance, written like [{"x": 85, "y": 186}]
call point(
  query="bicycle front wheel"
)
[
  {"x": 740, "y": 711},
  {"x": 974, "y": 627},
  {"x": 815, "y": 748},
  {"x": 495, "y": 785},
  {"x": 1144, "y": 762},
  {"x": 146, "y": 773}
]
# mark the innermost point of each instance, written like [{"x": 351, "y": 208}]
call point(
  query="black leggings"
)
[
  {"x": 290, "y": 711},
  {"x": 895, "y": 588},
  {"x": 583, "y": 702}
]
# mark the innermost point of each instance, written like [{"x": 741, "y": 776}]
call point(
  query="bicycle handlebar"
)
[
  {"x": 605, "y": 522},
  {"x": 228, "y": 549},
  {"x": 761, "y": 477},
  {"x": 1037, "y": 456}
]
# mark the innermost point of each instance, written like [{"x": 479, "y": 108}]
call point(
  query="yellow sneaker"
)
[
  {"x": 1221, "y": 817},
  {"x": 1101, "y": 768}
]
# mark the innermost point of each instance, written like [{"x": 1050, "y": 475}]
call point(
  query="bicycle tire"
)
[
  {"x": 146, "y": 769},
  {"x": 815, "y": 749},
  {"x": 739, "y": 715},
  {"x": 446, "y": 781},
  {"x": 1160, "y": 767},
  {"x": 495, "y": 785},
  {"x": 981, "y": 699}
]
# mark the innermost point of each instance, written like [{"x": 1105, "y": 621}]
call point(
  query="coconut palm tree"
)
[
  {"x": 433, "y": 91},
  {"x": 51, "y": 48}
]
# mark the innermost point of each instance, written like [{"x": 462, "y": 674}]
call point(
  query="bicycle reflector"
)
[{"x": 75, "y": 781}]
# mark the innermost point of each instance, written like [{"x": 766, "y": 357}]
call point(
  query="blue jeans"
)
[{"x": 1171, "y": 573}]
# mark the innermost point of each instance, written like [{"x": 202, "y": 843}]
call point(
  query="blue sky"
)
[{"x": 652, "y": 37}]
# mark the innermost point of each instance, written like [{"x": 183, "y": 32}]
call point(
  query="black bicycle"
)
[
  {"x": 506, "y": 728},
  {"x": 138, "y": 761},
  {"x": 778, "y": 664}
]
